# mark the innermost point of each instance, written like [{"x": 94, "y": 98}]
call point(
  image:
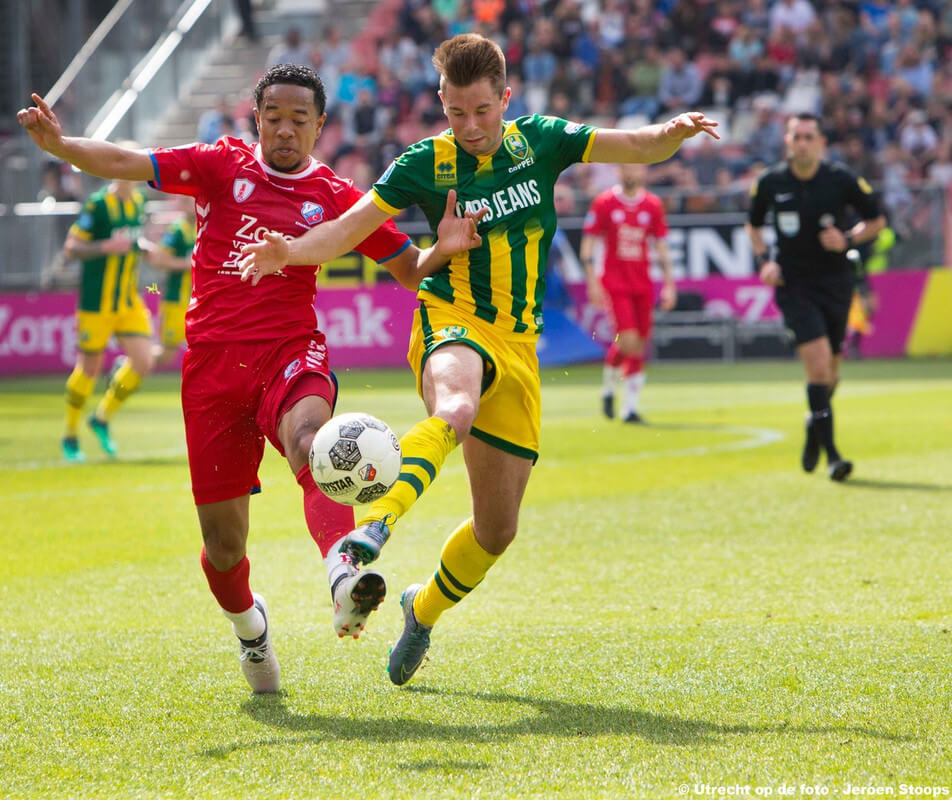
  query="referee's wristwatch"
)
[
  {"x": 761, "y": 259},
  {"x": 849, "y": 240}
]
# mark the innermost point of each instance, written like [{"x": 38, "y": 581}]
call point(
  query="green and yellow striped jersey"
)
[
  {"x": 503, "y": 280},
  {"x": 108, "y": 283},
  {"x": 178, "y": 239}
]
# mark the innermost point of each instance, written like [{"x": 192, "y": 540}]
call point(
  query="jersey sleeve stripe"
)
[
  {"x": 155, "y": 169},
  {"x": 587, "y": 153},
  {"x": 402, "y": 247},
  {"x": 383, "y": 205},
  {"x": 79, "y": 233}
]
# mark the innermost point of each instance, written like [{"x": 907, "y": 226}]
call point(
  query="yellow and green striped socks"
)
[
  {"x": 425, "y": 447},
  {"x": 124, "y": 382},
  {"x": 79, "y": 386},
  {"x": 463, "y": 564}
]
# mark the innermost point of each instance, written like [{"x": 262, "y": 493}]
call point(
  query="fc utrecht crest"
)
[
  {"x": 242, "y": 189},
  {"x": 312, "y": 213}
]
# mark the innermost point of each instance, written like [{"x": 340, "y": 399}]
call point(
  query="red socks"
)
[
  {"x": 230, "y": 588},
  {"x": 631, "y": 365},
  {"x": 613, "y": 356},
  {"x": 326, "y": 520}
]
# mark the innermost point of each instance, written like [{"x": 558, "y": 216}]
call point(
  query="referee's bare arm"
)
[{"x": 767, "y": 268}]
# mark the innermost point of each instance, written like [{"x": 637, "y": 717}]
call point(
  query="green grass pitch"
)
[{"x": 683, "y": 611}]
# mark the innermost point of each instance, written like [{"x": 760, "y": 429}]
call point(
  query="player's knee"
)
[
  {"x": 631, "y": 345},
  {"x": 223, "y": 547},
  {"x": 298, "y": 449},
  {"x": 143, "y": 363},
  {"x": 459, "y": 410}
]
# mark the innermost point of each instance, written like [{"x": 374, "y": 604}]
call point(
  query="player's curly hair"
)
[
  {"x": 469, "y": 57},
  {"x": 297, "y": 75}
]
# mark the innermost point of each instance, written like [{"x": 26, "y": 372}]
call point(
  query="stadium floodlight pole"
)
[
  {"x": 116, "y": 107},
  {"x": 89, "y": 47}
]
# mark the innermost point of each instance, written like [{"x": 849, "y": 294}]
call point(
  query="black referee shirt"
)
[{"x": 801, "y": 209}]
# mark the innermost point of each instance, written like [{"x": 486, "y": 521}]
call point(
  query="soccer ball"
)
[{"x": 354, "y": 458}]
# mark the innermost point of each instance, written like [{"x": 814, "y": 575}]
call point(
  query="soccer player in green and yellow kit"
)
[
  {"x": 105, "y": 238},
  {"x": 473, "y": 345},
  {"x": 173, "y": 254}
]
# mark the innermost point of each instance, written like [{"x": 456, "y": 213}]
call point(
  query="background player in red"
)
[
  {"x": 623, "y": 219},
  {"x": 257, "y": 367}
]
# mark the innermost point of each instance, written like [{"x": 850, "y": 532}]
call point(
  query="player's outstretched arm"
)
[
  {"x": 319, "y": 245},
  {"x": 102, "y": 159},
  {"x": 162, "y": 258},
  {"x": 454, "y": 235},
  {"x": 651, "y": 143}
]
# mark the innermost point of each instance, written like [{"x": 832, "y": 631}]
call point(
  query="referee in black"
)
[{"x": 811, "y": 275}]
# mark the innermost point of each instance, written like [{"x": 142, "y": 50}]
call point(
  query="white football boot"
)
[
  {"x": 258, "y": 662},
  {"x": 356, "y": 594}
]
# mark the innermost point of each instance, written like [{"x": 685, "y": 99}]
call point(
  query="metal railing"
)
[
  {"x": 32, "y": 234},
  {"x": 151, "y": 50}
]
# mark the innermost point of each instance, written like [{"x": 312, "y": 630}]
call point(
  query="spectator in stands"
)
[
  {"x": 688, "y": 27},
  {"x": 705, "y": 160},
  {"x": 730, "y": 192},
  {"x": 756, "y": 17},
  {"x": 355, "y": 77},
  {"x": 797, "y": 16},
  {"x": 896, "y": 173},
  {"x": 644, "y": 81},
  {"x": 586, "y": 60},
  {"x": 859, "y": 158},
  {"x": 764, "y": 141},
  {"x": 248, "y": 28},
  {"x": 334, "y": 50},
  {"x": 538, "y": 67},
  {"x": 515, "y": 46},
  {"x": 393, "y": 100},
  {"x": 611, "y": 24},
  {"x": 878, "y": 62},
  {"x": 571, "y": 27},
  {"x": 723, "y": 25},
  {"x": 290, "y": 51},
  {"x": 517, "y": 103},
  {"x": 212, "y": 123},
  {"x": 680, "y": 85},
  {"x": 877, "y": 11},
  {"x": 940, "y": 171},
  {"x": 54, "y": 185},
  {"x": 782, "y": 52},
  {"x": 918, "y": 139},
  {"x": 366, "y": 118},
  {"x": 744, "y": 52},
  {"x": 914, "y": 72},
  {"x": 718, "y": 88}
]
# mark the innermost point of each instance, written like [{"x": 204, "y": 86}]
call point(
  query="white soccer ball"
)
[{"x": 354, "y": 458}]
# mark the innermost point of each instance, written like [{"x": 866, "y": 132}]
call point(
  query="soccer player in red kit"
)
[
  {"x": 624, "y": 219},
  {"x": 256, "y": 366}
]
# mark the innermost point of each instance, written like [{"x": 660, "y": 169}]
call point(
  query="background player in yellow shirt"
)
[
  {"x": 473, "y": 345},
  {"x": 105, "y": 238}
]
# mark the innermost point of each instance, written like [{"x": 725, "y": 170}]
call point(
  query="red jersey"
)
[
  {"x": 624, "y": 225},
  {"x": 237, "y": 198}
]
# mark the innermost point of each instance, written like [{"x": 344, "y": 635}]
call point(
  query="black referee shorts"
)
[{"x": 814, "y": 311}]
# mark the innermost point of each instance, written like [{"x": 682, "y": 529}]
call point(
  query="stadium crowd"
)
[{"x": 878, "y": 73}]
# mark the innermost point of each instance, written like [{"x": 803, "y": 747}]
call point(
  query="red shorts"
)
[
  {"x": 233, "y": 397},
  {"x": 632, "y": 311}
]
